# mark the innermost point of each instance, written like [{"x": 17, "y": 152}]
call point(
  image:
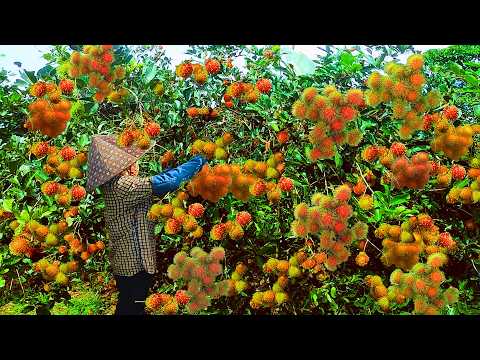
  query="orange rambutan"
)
[
  {"x": 415, "y": 61},
  {"x": 264, "y": 86},
  {"x": 212, "y": 66},
  {"x": 283, "y": 136},
  {"x": 355, "y": 97},
  {"x": 458, "y": 172}
]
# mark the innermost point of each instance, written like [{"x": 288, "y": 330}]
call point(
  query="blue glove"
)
[{"x": 170, "y": 180}]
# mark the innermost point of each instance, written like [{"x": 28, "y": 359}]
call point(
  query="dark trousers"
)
[{"x": 133, "y": 291}]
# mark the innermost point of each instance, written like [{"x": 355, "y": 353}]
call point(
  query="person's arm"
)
[{"x": 170, "y": 180}]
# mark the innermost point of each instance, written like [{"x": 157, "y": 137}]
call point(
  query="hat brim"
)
[{"x": 106, "y": 159}]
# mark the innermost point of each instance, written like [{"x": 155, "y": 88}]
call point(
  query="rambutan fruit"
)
[
  {"x": 374, "y": 81},
  {"x": 415, "y": 61},
  {"x": 348, "y": 113},
  {"x": 78, "y": 192},
  {"x": 458, "y": 172},
  {"x": 172, "y": 226},
  {"x": 68, "y": 153},
  {"x": 243, "y": 218},
  {"x": 370, "y": 153},
  {"x": 362, "y": 259},
  {"x": 437, "y": 260},
  {"x": 264, "y": 86},
  {"x": 258, "y": 188},
  {"x": 218, "y": 232},
  {"x": 196, "y": 210},
  {"x": 365, "y": 202},
  {"x": 451, "y": 295},
  {"x": 152, "y": 129},
  {"x": 49, "y": 188},
  {"x": 212, "y": 66},
  {"x": 236, "y": 232},
  {"x": 354, "y": 137},
  {"x": 355, "y": 97},
  {"x": 342, "y": 193},
  {"x": 398, "y": 149},
  {"x": 373, "y": 98}
]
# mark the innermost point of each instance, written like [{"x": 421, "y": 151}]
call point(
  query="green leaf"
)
[
  {"x": 302, "y": 65},
  {"x": 2, "y": 282},
  {"x": 472, "y": 80},
  {"x": 24, "y": 215},
  {"x": 333, "y": 292},
  {"x": 41, "y": 175},
  {"x": 400, "y": 199},
  {"x": 455, "y": 68},
  {"x": 347, "y": 59},
  {"x": 274, "y": 125},
  {"x": 7, "y": 205},
  {"x": 94, "y": 108},
  {"x": 338, "y": 160},
  {"x": 149, "y": 73},
  {"x": 84, "y": 140},
  {"x": 476, "y": 111}
]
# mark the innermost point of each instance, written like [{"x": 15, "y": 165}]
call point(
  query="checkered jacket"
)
[
  {"x": 127, "y": 201},
  {"x": 131, "y": 234}
]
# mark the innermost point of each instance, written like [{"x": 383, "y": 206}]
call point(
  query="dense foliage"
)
[{"x": 334, "y": 186}]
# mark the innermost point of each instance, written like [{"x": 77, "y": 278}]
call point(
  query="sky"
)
[{"x": 31, "y": 55}]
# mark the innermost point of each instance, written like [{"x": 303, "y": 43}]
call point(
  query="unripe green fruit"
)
[
  {"x": 280, "y": 298},
  {"x": 236, "y": 276},
  {"x": 64, "y": 268},
  {"x": 51, "y": 240},
  {"x": 277, "y": 288},
  {"x": 53, "y": 229},
  {"x": 405, "y": 226},
  {"x": 406, "y": 237},
  {"x": 176, "y": 202},
  {"x": 240, "y": 286},
  {"x": 294, "y": 272},
  {"x": 61, "y": 278}
]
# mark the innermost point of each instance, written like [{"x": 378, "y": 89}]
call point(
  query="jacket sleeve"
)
[{"x": 170, "y": 180}]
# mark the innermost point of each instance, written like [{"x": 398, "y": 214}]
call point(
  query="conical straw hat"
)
[{"x": 106, "y": 159}]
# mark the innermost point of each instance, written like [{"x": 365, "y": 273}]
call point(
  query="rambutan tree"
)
[{"x": 52, "y": 236}]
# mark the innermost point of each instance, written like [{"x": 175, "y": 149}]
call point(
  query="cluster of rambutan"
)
[
  {"x": 277, "y": 295},
  {"x": 140, "y": 137},
  {"x": 412, "y": 174},
  {"x": 63, "y": 195},
  {"x": 199, "y": 271},
  {"x": 55, "y": 271},
  {"x": 465, "y": 195},
  {"x": 165, "y": 304},
  {"x": 49, "y": 113},
  {"x": 66, "y": 162},
  {"x": 96, "y": 62},
  {"x": 402, "y": 245},
  {"x": 331, "y": 111},
  {"x": 234, "y": 229},
  {"x": 198, "y": 71},
  {"x": 237, "y": 283},
  {"x": 177, "y": 218},
  {"x": 243, "y": 181},
  {"x": 328, "y": 219},
  {"x": 452, "y": 141},
  {"x": 211, "y": 183},
  {"x": 210, "y": 150},
  {"x": 378, "y": 291},
  {"x": 202, "y": 112},
  {"x": 402, "y": 88},
  {"x": 34, "y": 235},
  {"x": 246, "y": 92},
  {"x": 423, "y": 284}
]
